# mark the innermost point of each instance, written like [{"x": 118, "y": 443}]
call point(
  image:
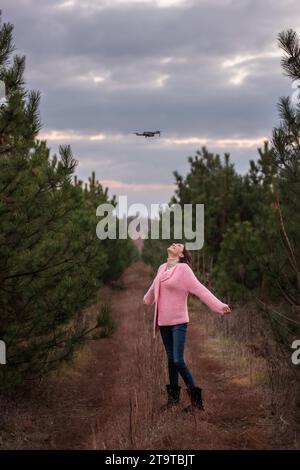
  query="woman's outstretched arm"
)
[
  {"x": 194, "y": 286},
  {"x": 149, "y": 296}
]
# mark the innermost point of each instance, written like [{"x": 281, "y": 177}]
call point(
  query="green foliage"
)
[
  {"x": 105, "y": 322},
  {"x": 238, "y": 269}
]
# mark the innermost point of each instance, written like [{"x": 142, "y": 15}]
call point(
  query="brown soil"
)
[{"x": 110, "y": 398}]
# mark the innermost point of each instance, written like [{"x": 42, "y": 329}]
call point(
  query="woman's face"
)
[{"x": 176, "y": 250}]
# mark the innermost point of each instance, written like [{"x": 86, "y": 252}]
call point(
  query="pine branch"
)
[{"x": 289, "y": 42}]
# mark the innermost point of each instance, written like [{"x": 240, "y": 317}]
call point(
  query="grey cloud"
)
[{"x": 127, "y": 42}]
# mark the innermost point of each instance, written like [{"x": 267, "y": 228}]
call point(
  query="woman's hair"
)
[{"x": 187, "y": 258}]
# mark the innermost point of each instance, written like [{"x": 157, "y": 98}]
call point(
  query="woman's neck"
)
[{"x": 172, "y": 261}]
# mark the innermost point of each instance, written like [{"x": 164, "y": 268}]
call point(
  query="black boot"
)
[
  {"x": 173, "y": 396},
  {"x": 195, "y": 395}
]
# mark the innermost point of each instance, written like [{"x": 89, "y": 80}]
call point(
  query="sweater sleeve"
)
[
  {"x": 194, "y": 286},
  {"x": 149, "y": 296}
]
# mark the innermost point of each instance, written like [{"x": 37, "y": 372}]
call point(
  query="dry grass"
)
[
  {"x": 110, "y": 397},
  {"x": 254, "y": 360}
]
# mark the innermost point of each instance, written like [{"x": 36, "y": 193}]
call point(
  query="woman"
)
[{"x": 169, "y": 291}]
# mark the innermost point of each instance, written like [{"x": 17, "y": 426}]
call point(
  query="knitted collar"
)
[{"x": 171, "y": 262}]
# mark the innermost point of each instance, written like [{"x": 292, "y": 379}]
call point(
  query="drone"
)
[{"x": 147, "y": 133}]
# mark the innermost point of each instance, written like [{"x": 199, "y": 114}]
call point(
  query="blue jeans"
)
[{"x": 173, "y": 337}]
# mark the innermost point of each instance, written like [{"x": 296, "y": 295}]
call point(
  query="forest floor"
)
[{"x": 110, "y": 397}]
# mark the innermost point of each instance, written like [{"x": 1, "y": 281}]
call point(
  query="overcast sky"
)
[{"x": 204, "y": 72}]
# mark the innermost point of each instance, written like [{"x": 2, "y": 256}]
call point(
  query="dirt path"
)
[{"x": 111, "y": 399}]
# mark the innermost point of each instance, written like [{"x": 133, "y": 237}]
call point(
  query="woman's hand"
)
[{"x": 226, "y": 310}]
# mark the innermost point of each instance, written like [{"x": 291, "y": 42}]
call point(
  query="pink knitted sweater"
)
[{"x": 169, "y": 291}]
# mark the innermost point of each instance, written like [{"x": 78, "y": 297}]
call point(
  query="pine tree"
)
[
  {"x": 282, "y": 262},
  {"x": 51, "y": 262},
  {"x": 286, "y": 141}
]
